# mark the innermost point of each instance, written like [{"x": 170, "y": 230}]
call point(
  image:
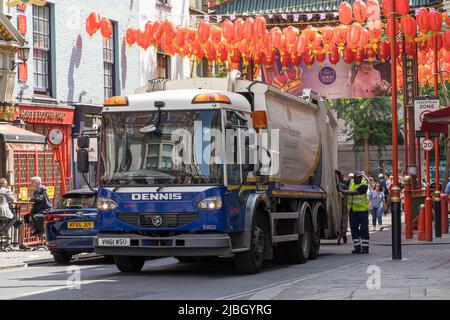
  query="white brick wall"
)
[{"x": 79, "y": 58}]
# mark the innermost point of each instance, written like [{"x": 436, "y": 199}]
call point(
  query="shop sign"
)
[
  {"x": 23, "y": 194},
  {"x": 46, "y": 115},
  {"x": 51, "y": 192}
]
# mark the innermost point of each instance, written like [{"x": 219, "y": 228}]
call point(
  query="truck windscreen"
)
[{"x": 180, "y": 148}]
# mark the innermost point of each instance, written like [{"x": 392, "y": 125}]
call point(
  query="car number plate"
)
[
  {"x": 114, "y": 242},
  {"x": 80, "y": 225}
]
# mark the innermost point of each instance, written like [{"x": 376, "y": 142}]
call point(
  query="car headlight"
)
[
  {"x": 211, "y": 203},
  {"x": 105, "y": 204}
]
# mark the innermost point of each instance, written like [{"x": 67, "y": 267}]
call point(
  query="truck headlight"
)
[
  {"x": 105, "y": 204},
  {"x": 211, "y": 203}
]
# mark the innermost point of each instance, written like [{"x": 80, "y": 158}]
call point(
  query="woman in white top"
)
[{"x": 6, "y": 198}]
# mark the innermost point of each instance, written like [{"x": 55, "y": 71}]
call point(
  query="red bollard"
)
[
  {"x": 421, "y": 235},
  {"x": 408, "y": 208},
  {"x": 444, "y": 213}
]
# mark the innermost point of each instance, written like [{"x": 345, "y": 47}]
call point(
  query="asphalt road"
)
[{"x": 165, "y": 278}]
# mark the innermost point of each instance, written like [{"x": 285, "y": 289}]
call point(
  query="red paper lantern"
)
[
  {"x": 373, "y": 10},
  {"x": 223, "y": 52},
  {"x": 310, "y": 34},
  {"x": 327, "y": 36},
  {"x": 216, "y": 35},
  {"x": 309, "y": 59},
  {"x": 274, "y": 36},
  {"x": 204, "y": 28},
  {"x": 354, "y": 33},
  {"x": 435, "y": 21},
  {"x": 333, "y": 56},
  {"x": 181, "y": 36},
  {"x": 285, "y": 60},
  {"x": 389, "y": 30},
  {"x": 446, "y": 39},
  {"x": 93, "y": 22},
  {"x": 359, "y": 11},
  {"x": 131, "y": 36},
  {"x": 258, "y": 59},
  {"x": 302, "y": 47},
  {"x": 348, "y": 56},
  {"x": 423, "y": 20},
  {"x": 260, "y": 26},
  {"x": 320, "y": 57},
  {"x": 317, "y": 44},
  {"x": 345, "y": 13},
  {"x": 169, "y": 29},
  {"x": 106, "y": 28},
  {"x": 248, "y": 29},
  {"x": 363, "y": 38},
  {"x": 239, "y": 33},
  {"x": 359, "y": 57},
  {"x": 432, "y": 42},
  {"x": 291, "y": 35},
  {"x": 228, "y": 30},
  {"x": 402, "y": 7},
  {"x": 409, "y": 27},
  {"x": 297, "y": 60},
  {"x": 446, "y": 18},
  {"x": 370, "y": 53},
  {"x": 340, "y": 35},
  {"x": 384, "y": 51},
  {"x": 157, "y": 32},
  {"x": 142, "y": 39}
]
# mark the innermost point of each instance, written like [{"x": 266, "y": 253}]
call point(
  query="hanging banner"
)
[
  {"x": 409, "y": 81},
  {"x": 370, "y": 79}
]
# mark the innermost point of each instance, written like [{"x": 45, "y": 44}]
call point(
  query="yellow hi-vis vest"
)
[{"x": 360, "y": 202}]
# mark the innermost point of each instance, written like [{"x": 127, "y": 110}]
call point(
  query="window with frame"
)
[
  {"x": 163, "y": 65},
  {"x": 109, "y": 65},
  {"x": 42, "y": 50}
]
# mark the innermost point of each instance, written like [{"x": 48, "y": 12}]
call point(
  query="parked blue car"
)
[{"x": 72, "y": 225}]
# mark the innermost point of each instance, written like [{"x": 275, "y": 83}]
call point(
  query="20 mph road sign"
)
[{"x": 427, "y": 145}]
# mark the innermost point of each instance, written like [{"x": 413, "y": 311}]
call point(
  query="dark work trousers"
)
[{"x": 359, "y": 225}]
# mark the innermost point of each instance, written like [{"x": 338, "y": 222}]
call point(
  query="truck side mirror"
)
[
  {"x": 83, "y": 142},
  {"x": 247, "y": 166},
  {"x": 83, "y": 160}
]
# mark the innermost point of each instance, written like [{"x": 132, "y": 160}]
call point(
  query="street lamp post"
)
[{"x": 395, "y": 190}]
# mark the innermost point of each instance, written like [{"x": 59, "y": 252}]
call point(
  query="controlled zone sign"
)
[
  {"x": 427, "y": 144},
  {"x": 422, "y": 106}
]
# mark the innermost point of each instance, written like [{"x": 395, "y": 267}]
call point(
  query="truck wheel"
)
[
  {"x": 129, "y": 264},
  {"x": 315, "y": 244},
  {"x": 251, "y": 261},
  {"x": 62, "y": 258},
  {"x": 298, "y": 251}
]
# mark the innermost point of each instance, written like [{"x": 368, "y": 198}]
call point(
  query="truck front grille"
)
[{"x": 165, "y": 220}]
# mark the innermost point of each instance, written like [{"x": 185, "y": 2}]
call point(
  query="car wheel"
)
[
  {"x": 62, "y": 258},
  {"x": 129, "y": 264}
]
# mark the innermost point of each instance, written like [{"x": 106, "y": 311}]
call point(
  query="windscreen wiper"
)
[{"x": 168, "y": 183}]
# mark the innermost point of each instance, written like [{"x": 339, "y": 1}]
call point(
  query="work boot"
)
[
  {"x": 365, "y": 250},
  {"x": 357, "y": 249}
]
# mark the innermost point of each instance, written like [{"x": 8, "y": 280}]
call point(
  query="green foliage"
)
[
  {"x": 366, "y": 119},
  {"x": 428, "y": 90}
]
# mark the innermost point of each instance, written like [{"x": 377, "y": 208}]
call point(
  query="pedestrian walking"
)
[
  {"x": 358, "y": 205},
  {"x": 41, "y": 205},
  {"x": 376, "y": 204}
]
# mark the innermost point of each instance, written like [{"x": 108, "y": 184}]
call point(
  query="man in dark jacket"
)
[{"x": 41, "y": 205}]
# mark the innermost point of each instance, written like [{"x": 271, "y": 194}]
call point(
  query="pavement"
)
[{"x": 336, "y": 274}]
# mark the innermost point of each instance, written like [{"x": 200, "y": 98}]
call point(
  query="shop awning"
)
[
  {"x": 437, "y": 121},
  {"x": 12, "y": 134}
]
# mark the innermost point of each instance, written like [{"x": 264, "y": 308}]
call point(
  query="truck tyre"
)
[
  {"x": 315, "y": 244},
  {"x": 298, "y": 251},
  {"x": 129, "y": 264},
  {"x": 62, "y": 258},
  {"x": 251, "y": 261}
]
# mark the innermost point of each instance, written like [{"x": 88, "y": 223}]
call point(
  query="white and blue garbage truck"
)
[{"x": 215, "y": 167}]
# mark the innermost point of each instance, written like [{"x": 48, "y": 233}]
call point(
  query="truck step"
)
[
  {"x": 284, "y": 215},
  {"x": 284, "y": 238}
]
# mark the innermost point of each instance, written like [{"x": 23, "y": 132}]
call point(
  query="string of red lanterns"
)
[{"x": 358, "y": 37}]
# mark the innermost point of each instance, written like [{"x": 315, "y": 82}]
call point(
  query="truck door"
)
[{"x": 234, "y": 173}]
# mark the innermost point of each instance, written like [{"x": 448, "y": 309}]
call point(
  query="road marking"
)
[{"x": 270, "y": 292}]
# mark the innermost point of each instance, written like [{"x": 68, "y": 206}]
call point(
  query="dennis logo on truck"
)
[{"x": 156, "y": 196}]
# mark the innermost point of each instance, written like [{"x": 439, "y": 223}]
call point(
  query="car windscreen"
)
[{"x": 77, "y": 201}]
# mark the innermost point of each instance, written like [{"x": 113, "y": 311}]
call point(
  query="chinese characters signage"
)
[{"x": 408, "y": 80}]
